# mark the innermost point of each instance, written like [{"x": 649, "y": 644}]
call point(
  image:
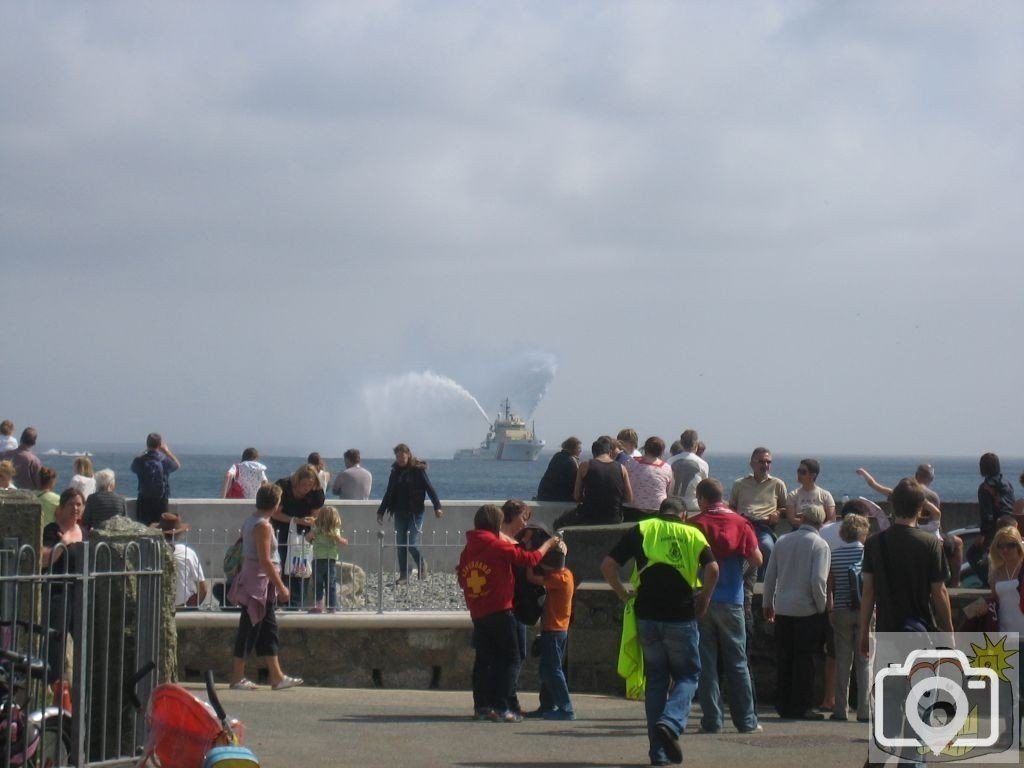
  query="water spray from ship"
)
[
  {"x": 425, "y": 409},
  {"x": 434, "y": 413}
]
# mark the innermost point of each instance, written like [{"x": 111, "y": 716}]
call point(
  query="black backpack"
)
[
  {"x": 528, "y": 598},
  {"x": 152, "y": 481}
]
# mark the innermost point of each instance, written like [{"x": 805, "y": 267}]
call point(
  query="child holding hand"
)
[{"x": 326, "y": 537}]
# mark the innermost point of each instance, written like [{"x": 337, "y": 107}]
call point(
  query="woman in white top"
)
[
  {"x": 1005, "y": 557},
  {"x": 316, "y": 461},
  {"x": 251, "y": 475},
  {"x": 83, "y": 478},
  {"x": 650, "y": 479}
]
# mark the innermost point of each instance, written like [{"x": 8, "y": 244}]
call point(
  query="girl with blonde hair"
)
[
  {"x": 325, "y": 536},
  {"x": 83, "y": 478},
  {"x": 1006, "y": 554}
]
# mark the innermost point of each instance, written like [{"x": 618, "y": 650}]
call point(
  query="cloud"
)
[{"x": 242, "y": 206}]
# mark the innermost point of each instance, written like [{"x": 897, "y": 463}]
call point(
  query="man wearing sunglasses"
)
[{"x": 761, "y": 499}]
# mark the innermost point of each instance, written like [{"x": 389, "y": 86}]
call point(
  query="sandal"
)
[
  {"x": 244, "y": 685},
  {"x": 287, "y": 682}
]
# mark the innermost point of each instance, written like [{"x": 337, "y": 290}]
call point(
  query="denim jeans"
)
[
  {"x": 552, "y": 653},
  {"x": 723, "y": 630},
  {"x": 326, "y": 581},
  {"x": 766, "y": 543},
  {"x": 408, "y": 532},
  {"x": 671, "y": 659}
]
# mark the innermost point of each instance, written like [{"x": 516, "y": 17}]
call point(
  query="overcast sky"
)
[{"x": 291, "y": 224}]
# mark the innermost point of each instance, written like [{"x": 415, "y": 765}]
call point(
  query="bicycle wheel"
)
[{"x": 55, "y": 749}]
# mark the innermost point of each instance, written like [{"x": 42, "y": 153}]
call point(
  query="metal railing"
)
[
  {"x": 366, "y": 574},
  {"x": 70, "y": 640}
]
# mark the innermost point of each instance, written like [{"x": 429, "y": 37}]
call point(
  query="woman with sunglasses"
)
[
  {"x": 1004, "y": 574},
  {"x": 808, "y": 493}
]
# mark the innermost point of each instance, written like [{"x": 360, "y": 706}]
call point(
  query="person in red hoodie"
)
[{"x": 487, "y": 580}]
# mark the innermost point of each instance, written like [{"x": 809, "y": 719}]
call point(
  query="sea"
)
[{"x": 202, "y": 474}]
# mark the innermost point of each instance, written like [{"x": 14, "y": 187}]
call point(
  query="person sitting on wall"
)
[
  {"x": 559, "y": 480},
  {"x": 190, "y": 583},
  {"x": 602, "y": 487}
]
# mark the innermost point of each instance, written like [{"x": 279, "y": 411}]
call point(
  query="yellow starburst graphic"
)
[
  {"x": 969, "y": 728},
  {"x": 994, "y": 656}
]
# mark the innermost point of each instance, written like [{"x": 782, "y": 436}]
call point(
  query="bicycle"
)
[{"x": 29, "y": 737}]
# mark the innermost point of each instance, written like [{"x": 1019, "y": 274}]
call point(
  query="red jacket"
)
[{"x": 485, "y": 571}]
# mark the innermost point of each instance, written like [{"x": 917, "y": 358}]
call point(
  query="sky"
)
[{"x": 309, "y": 225}]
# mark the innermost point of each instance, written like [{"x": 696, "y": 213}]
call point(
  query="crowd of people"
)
[
  {"x": 294, "y": 502},
  {"x": 697, "y": 553},
  {"x": 828, "y": 585}
]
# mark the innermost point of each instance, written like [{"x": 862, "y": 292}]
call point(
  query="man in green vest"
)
[{"x": 671, "y": 594}]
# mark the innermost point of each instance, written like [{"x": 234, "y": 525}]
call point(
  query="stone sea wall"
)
[{"x": 433, "y": 650}]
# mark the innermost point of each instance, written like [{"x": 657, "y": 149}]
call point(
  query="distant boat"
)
[
  {"x": 508, "y": 439},
  {"x": 75, "y": 454}
]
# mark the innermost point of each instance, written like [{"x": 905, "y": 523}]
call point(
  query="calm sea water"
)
[{"x": 201, "y": 475}]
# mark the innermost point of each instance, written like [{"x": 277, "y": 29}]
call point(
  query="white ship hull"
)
[
  {"x": 508, "y": 439},
  {"x": 507, "y": 451}
]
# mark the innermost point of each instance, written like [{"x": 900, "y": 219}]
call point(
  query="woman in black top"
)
[
  {"x": 602, "y": 486},
  {"x": 995, "y": 496},
  {"x": 559, "y": 478},
  {"x": 408, "y": 484},
  {"x": 301, "y": 497},
  {"x": 60, "y": 555}
]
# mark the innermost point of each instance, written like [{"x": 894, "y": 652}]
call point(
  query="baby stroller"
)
[{"x": 185, "y": 732}]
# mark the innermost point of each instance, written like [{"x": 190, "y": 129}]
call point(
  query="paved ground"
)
[{"x": 405, "y": 729}]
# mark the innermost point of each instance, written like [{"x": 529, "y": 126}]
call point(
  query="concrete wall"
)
[{"x": 433, "y": 650}]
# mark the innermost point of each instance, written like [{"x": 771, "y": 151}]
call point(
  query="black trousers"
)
[
  {"x": 261, "y": 637},
  {"x": 496, "y": 640},
  {"x": 797, "y": 639}
]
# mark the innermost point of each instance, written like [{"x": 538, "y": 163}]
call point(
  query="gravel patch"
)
[{"x": 437, "y": 592}]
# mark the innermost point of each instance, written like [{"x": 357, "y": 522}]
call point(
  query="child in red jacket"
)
[{"x": 487, "y": 580}]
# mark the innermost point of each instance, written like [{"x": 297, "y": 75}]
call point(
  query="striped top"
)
[{"x": 846, "y": 554}]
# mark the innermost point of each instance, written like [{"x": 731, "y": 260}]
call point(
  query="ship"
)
[{"x": 508, "y": 439}]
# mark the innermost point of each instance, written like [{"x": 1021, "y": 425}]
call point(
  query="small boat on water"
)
[{"x": 508, "y": 439}]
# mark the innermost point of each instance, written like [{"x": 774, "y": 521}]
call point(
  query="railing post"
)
[
  {"x": 380, "y": 571},
  {"x": 81, "y": 669}
]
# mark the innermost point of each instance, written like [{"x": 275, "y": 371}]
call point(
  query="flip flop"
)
[
  {"x": 287, "y": 682},
  {"x": 244, "y": 685}
]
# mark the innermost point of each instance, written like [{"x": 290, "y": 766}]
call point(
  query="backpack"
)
[
  {"x": 855, "y": 582},
  {"x": 233, "y": 560},
  {"x": 528, "y": 598},
  {"x": 152, "y": 481}
]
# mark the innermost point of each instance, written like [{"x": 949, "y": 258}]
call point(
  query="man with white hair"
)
[
  {"x": 103, "y": 504},
  {"x": 795, "y": 596}
]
